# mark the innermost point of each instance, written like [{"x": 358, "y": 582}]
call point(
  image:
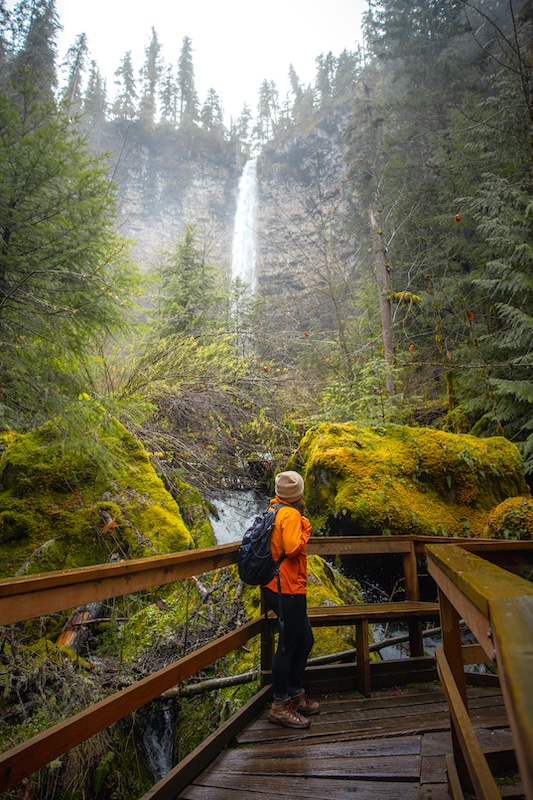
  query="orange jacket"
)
[{"x": 290, "y": 536}]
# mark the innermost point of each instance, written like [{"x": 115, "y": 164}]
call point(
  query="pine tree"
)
[
  {"x": 211, "y": 117},
  {"x": 124, "y": 106},
  {"x": 150, "y": 77},
  {"x": 63, "y": 274},
  {"x": 76, "y": 57},
  {"x": 188, "y": 288},
  {"x": 325, "y": 77},
  {"x": 187, "y": 97},
  {"x": 347, "y": 71},
  {"x": 94, "y": 106},
  {"x": 168, "y": 98},
  {"x": 267, "y": 112},
  {"x": 32, "y": 71}
]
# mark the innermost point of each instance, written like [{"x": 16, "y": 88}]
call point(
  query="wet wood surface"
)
[{"x": 391, "y": 746}]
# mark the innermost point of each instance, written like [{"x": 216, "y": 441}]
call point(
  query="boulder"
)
[
  {"x": 71, "y": 498},
  {"x": 402, "y": 480}
]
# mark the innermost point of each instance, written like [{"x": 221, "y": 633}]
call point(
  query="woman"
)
[{"x": 291, "y": 706}]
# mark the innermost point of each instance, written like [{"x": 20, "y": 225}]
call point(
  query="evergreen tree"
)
[
  {"x": 32, "y": 71},
  {"x": 76, "y": 57},
  {"x": 124, "y": 106},
  {"x": 348, "y": 67},
  {"x": 497, "y": 389},
  {"x": 168, "y": 97},
  {"x": 187, "y": 97},
  {"x": 150, "y": 77},
  {"x": 188, "y": 288},
  {"x": 94, "y": 100},
  {"x": 211, "y": 117},
  {"x": 242, "y": 130},
  {"x": 297, "y": 93},
  {"x": 325, "y": 77},
  {"x": 63, "y": 274},
  {"x": 267, "y": 112}
]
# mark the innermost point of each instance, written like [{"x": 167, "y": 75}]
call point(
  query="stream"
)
[{"x": 235, "y": 512}]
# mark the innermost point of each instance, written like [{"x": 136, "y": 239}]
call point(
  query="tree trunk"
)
[{"x": 382, "y": 280}]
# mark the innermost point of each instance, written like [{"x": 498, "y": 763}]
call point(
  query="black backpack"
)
[{"x": 255, "y": 562}]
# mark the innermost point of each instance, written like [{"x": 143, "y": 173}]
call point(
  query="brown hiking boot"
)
[
  {"x": 304, "y": 705},
  {"x": 283, "y": 712}
]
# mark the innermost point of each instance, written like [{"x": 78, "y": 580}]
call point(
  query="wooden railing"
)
[
  {"x": 28, "y": 597},
  {"x": 497, "y": 606}
]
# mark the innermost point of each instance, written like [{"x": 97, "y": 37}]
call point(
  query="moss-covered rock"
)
[
  {"x": 402, "y": 480},
  {"x": 512, "y": 519},
  {"x": 77, "y": 490}
]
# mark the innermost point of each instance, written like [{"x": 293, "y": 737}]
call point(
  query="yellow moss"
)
[
  {"x": 403, "y": 480},
  {"x": 512, "y": 519}
]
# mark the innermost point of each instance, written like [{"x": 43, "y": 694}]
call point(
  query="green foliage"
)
[
  {"x": 440, "y": 140},
  {"x": 504, "y": 335},
  {"x": 64, "y": 274}
]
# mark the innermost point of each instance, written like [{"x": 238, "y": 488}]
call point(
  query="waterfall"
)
[{"x": 244, "y": 250}]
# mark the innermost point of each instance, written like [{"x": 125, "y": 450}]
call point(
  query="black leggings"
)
[{"x": 289, "y": 662}]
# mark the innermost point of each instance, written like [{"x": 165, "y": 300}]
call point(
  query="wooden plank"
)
[
  {"x": 473, "y": 654},
  {"x": 451, "y": 642},
  {"x": 478, "y": 770},
  {"x": 230, "y": 787},
  {"x": 410, "y": 571},
  {"x": 433, "y": 769},
  {"x": 384, "y": 767},
  {"x": 38, "y": 751},
  {"x": 454, "y": 784},
  {"x": 433, "y": 791},
  {"x": 305, "y": 748},
  {"x": 359, "y": 545},
  {"x": 23, "y": 598},
  {"x": 512, "y": 622},
  {"x": 374, "y": 612}
]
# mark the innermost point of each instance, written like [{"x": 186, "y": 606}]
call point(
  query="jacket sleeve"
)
[{"x": 296, "y": 531}]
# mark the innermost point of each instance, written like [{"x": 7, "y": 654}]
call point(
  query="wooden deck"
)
[{"x": 391, "y": 746}]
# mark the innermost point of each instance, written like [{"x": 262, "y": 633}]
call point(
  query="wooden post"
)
[
  {"x": 412, "y": 592},
  {"x": 452, "y": 648},
  {"x": 363, "y": 657}
]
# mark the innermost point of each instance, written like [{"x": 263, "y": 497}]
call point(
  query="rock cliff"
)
[{"x": 168, "y": 179}]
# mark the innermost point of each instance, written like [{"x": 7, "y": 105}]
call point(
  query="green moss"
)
[
  {"x": 403, "y": 480},
  {"x": 70, "y": 500},
  {"x": 195, "y": 511}
]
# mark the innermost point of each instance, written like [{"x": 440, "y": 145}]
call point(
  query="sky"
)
[{"x": 237, "y": 44}]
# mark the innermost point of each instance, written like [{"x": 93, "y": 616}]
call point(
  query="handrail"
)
[
  {"x": 23, "y": 598},
  {"x": 38, "y": 751},
  {"x": 26, "y": 597},
  {"x": 497, "y": 606}
]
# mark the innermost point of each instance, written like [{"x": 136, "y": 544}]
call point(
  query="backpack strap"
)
[{"x": 281, "y": 619}]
